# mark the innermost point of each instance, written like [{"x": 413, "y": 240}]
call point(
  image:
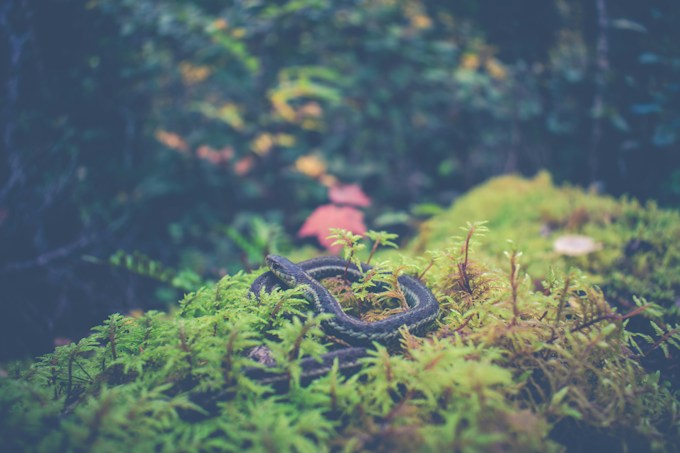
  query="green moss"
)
[
  {"x": 511, "y": 366},
  {"x": 640, "y": 244}
]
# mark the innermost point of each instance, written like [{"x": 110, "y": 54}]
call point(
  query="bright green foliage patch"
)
[
  {"x": 639, "y": 244},
  {"x": 510, "y": 366}
]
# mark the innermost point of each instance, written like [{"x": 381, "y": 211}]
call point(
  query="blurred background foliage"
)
[{"x": 183, "y": 140}]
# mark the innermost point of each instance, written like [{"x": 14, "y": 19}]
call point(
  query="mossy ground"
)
[
  {"x": 516, "y": 363},
  {"x": 640, "y": 244}
]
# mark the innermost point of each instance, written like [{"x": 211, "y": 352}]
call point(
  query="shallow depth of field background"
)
[{"x": 151, "y": 146}]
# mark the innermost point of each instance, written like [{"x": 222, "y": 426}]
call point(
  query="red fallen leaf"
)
[
  {"x": 243, "y": 165},
  {"x": 172, "y": 140},
  {"x": 331, "y": 216},
  {"x": 350, "y": 194},
  {"x": 215, "y": 156}
]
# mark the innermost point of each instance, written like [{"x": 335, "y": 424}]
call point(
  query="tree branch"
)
[
  {"x": 15, "y": 44},
  {"x": 47, "y": 257}
]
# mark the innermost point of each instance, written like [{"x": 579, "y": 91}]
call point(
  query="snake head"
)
[{"x": 283, "y": 268}]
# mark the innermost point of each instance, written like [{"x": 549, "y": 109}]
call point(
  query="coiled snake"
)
[{"x": 422, "y": 312}]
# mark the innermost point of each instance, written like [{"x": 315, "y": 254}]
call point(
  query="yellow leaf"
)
[
  {"x": 193, "y": 74},
  {"x": 496, "y": 69},
  {"x": 262, "y": 144},
  {"x": 283, "y": 109},
  {"x": 310, "y": 165},
  {"x": 285, "y": 140},
  {"x": 220, "y": 24},
  {"x": 230, "y": 113},
  {"x": 311, "y": 125},
  {"x": 470, "y": 61},
  {"x": 328, "y": 180},
  {"x": 311, "y": 109},
  {"x": 421, "y": 21}
]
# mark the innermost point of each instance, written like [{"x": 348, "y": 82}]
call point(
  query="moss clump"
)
[
  {"x": 639, "y": 245},
  {"x": 509, "y": 367}
]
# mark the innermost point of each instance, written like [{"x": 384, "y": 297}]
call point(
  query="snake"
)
[{"x": 359, "y": 335}]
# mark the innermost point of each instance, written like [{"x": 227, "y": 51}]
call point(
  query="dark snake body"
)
[{"x": 423, "y": 311}]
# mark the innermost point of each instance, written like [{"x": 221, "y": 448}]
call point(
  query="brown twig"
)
[
  {"x": 373, "y": 249},
  {"x": 463, "y": 278},
  {"x": 605, "y": 317},
  {"x": 563, "y": 299},
  {"x": 514, "y": 284},
  {"x": 661, "y": 340},
  {"x": 585, "y": 325},
  {"x": 464, "y": 324},
  {"x": 185, "y": 346},
  {"x": 227, "y": 361},
  {"x": 429, "y": 266},
  {"x": 349, "y": 261},
  {"x": 112, "y": 339},
  {"x": 293, "y": 353}
]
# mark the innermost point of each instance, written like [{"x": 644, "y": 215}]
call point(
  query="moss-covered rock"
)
[
  {"x": 512, "y": 365},
  {"x": 637, "y": 249}
]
